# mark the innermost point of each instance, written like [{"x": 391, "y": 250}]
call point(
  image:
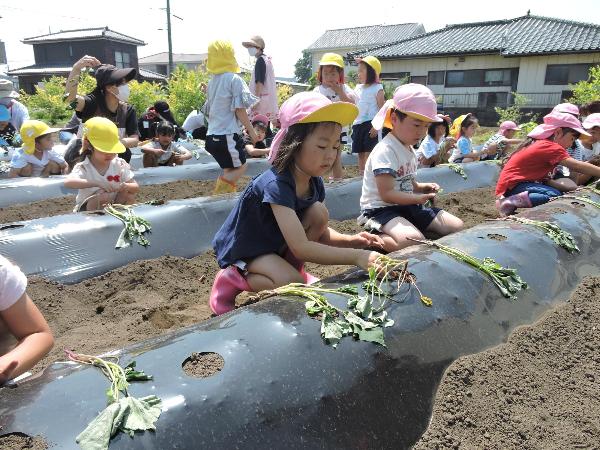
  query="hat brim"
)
[
  {"x": 330, "y": 63},
  {"x": 341, "y": 112},
  {"x": 117, "y": 75},
  {"x": 9, "y": 94},
  {"x": 117, "y": 147},
  {"x": 248, "y": 44}
]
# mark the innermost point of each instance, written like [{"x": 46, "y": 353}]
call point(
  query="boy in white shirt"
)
[
  {"x": 36, "y": 157},
  {"x": 392, "y": 201}
]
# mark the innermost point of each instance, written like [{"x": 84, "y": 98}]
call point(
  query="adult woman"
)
[
  {"x": 262, "y": 83},
  {"x": 108, "y": 99}
]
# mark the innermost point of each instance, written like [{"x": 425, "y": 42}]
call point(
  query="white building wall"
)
[{"x": 533, "y": 70}]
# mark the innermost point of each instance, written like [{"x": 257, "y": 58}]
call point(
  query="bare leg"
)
[
  {"x": 362, "y": 161},
  {"x": 337, "y": 169},
  {"x": 26, "y": 171},
  {"x": 562, "y": 184},
  {"x": 271, "y": 271},
  {"x": 52, "y": 168},
  {"x": 233, "y": 175},
  {"x": 396, "y": 232},
  {"x": 445, "y": 223},
  {"x": 149, "y": 160}
]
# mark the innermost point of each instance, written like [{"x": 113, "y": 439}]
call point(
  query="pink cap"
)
[
  {"x": 566, "y": 108},
  {"x": 308, "y": 107},
  {"x": 508, "y": 125},
  {"x": 556, "y": 120},
  {"x": 261, "y": 118},
  {"x": 591, "y": 121},
  {"x": 412, "y": 99}
]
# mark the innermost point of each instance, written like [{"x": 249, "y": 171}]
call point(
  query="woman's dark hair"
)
[
  {"x": 292, "y": 143},
  {"x": 165, "y": 128},
  {"x": 434, "y": 125},
  {"x": 371, "y": 75}
]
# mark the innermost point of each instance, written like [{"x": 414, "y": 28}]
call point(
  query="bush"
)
[
  {"x": 352, "y": 78},
  {"x": 513, "y": 112},
  {"x": 588, "y": 91},
  {"x": 185, "y": 92},
  {"x": 144, "y": 95},
  {"x": 47, "y": 104},
  {"x": 283, "y": 93},
  {"x": 303, "y": 67}
]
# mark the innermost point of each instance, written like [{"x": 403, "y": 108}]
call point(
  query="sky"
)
[{"x": 287, "y": 27}]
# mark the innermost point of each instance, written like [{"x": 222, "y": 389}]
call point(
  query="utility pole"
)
[{"x": 170, "y": 68}]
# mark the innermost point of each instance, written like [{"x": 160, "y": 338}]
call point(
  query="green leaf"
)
[
  {"x": 361, "y": 323},
  {"x": 364, "y": 306},
  {"x": 97, "y": 434},
  {"x": 332, "y": 329},
  {"x": 373, "y": 335},
  {"x": 141, "y": 414}
]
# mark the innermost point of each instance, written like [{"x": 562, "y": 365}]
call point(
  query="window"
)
[
  {"x": 481, "y": 77},
  {"x": 567, "y": 73},
  {"x": 161, "y": 68},
  {"x": 436, "y": 77},
  {"x": 122, "y": 60},
  {"x": 394, "y": 75},
  {"x": 419, "y": 80}
]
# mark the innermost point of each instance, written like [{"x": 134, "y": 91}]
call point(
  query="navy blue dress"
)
[{"x": 251, "y": 230}]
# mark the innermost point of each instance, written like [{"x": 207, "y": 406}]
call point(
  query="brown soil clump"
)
[
  {"x": 539, "y": 390},
  {"x": 203, "y": 365},
  {"x": 20, "y": 441}
]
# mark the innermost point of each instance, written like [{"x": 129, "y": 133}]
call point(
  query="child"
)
[
  {"x": 260, "y": 123},
  {"x": 102, "y": 177},
  {"x": 392, "y": 200},
  {"x": 227, "y": 100},
  {"x": 286, "y": 204},
  {"x": 332, "y": 86},
  {"x": 463, "y": 129},
  {"x": 498, "y": 146},
  {"x": 8, "y": 135},
  {"x": 371, "y": 98},
  {"x": 523, "y": 181},
  {"x": 36, "y": 157},
  {"x": 581, "y": 150},
  {"x": 162, "y": 151},
  {"x": 20, "y": 318},
  {"x": 435, "y": 148}
]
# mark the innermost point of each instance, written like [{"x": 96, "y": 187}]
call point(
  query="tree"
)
[
  {"x": 303, "y": 67},
  {"x": 588, "y": 91},
  {"x": 185, "y": 91}
]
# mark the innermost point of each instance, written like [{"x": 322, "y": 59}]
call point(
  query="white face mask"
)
[
  {"x": 124, "y": 92},
  {"x": 252, "y": 51}
]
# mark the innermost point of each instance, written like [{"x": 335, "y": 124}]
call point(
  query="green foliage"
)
[
  {"x": 527, "y": 127},
  {"x": 588, "y": 91},
  {"x": 390, "y": 86},
  {"x": 303, "y": 67},
  {"x": 312, "y": 82},
  {"x": 47, "y": 104},
  {"x": 144, "y": 94},
  {"x": 352, "y": 78},
  {"x": 185, "y": 91},
  {"x": 283, "y": 93},
  {"x": 513, "y": 112}
]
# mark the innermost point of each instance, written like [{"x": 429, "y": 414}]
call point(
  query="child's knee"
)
[
  {"x": 316, "y": 215},
  {"x": 26, "y": 171}
]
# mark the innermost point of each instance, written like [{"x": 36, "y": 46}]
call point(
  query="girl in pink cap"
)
[
  {"x": 525, "y": 179},
  {"x": 392, "y": 201},
  {"x": 499, "y": 145},
  {"x": 286, "y": 204},
  {"x": 583, "y": 148}
]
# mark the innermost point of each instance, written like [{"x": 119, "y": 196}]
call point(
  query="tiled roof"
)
[
  {"x": 366, "y": 36},
  {"x": 163, "y": 58},
  {"x": 85, "y": 33},
  {"x": 527, "y": 35},
  {"x": 35, "y": 68},
  {"x": 150, "y": 75}
]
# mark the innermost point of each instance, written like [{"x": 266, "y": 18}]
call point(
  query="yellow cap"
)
[
  {"x": 221, "y": 58},
  {"x": 103, "y": 135},
  {"x": 32, "y": 129},
  {"x": 373, "y": 62},
  {"x": 456, "y": 125},
  {"x": 332, "y": 59},
  {"x": 341, "y": 112}
]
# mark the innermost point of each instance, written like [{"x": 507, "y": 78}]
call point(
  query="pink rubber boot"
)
[
  {"x": 228, "y": 283},
  {"x": 299, "y": 266},
  {"x": 506, "y": 206}
]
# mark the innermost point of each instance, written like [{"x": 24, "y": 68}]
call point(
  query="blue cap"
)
[{"x": 4, "y": 114}]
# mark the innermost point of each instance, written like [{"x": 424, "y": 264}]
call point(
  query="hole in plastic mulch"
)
[
  {"x": 496, "y": 237},
  {"x": 22, "y": 441},
  {"x": 11, "y": 226},
  {"x": 203, "y": 365}
]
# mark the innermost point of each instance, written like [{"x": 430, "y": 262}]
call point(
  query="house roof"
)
[
  {"x": 163, "y": 58},
  {"x": 523, "y": 36},
  {"x": 55, "y": 70},
  {"x": 368, "y": 36},
  {"x": 83, "y": 34}
]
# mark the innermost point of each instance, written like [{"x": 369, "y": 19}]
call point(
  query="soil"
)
[
  {"x": 203, "y": 365},
  {"x": 539, "y": 390},
  {"x": 181, "y": 189},
  {"x": 20, "y": 441},
  {"x": 150, "y": 297}
]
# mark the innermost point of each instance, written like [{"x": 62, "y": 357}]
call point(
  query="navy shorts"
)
[
  {"x": 227, "y": 149},
  {"x": 361, "y": 141},
  {"x": 418, "y": 215}
]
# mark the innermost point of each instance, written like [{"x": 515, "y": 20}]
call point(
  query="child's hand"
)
[
  {"x": 431, "y": 187},
  {"x": 6, "y": 369},
  {"x": 367, "y": 240},
  {"x": 368, "y": 259},
  {"x": 372, "y": 132},
  {"x": 423, "y": 198}
]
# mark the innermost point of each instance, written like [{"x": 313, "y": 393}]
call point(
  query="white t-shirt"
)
[
  {"x": 20, "y": 159},
  {"x": 194, "y": 120},
  {"x": 427, "y": 149},
  {"x": 172, "y": 148},
  {"x": 226, "y": 93},
  {"x": 367, "y": 102},
  {"x": 18, "y": 112},
  {"x": 118, "y": 172},
  {"x": 12, "y": 283},
  {"x": 332, "y": 95},
  {"x": 393, "y": 157},
  {"x": 463, "y": 147}
]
